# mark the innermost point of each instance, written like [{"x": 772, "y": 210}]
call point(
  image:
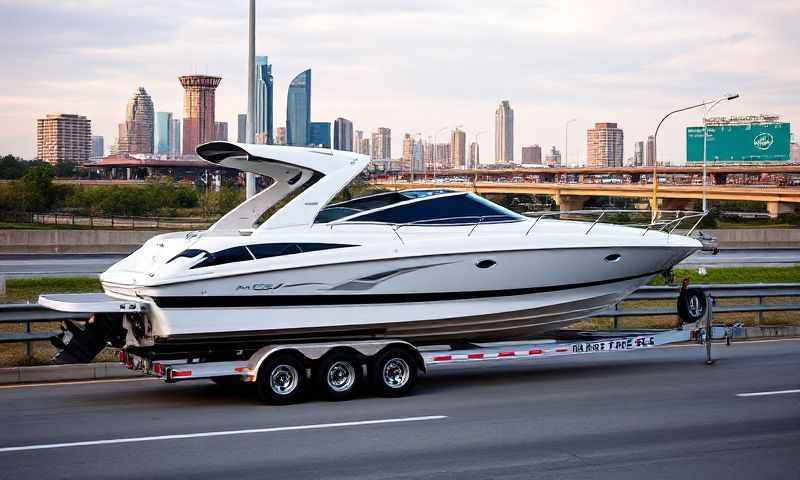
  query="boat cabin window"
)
[
  {"x": 229, "y": 255},
  {"x": 445, "y": 210},
  {"x": 262, "y": 250},
  {"x": 371, "y": 202}
]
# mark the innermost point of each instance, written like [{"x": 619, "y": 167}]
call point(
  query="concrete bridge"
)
[{"x": 571, "y": 196}]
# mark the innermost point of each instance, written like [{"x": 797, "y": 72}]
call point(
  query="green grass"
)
[
  {"x": 22, "y": 290},
  {"x": 736, "y": 275}
]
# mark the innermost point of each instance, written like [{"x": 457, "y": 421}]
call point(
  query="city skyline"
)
[{"x": 661, "y": 60}]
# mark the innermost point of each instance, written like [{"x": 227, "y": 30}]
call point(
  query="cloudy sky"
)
[{"x": 411, "y": 65}]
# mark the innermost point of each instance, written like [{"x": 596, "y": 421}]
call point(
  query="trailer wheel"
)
[
  {"x": 339, "y": 375},
  {"x": 281, "y": 379},
  {"x": 393, "y": 372},
  {"x": 692, "y": 304}
]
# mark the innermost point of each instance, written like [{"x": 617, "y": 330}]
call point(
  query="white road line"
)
[
  {"x": 763, "y": 394},
  {"x": 77, "y": 382},
  {"x": 223, "y": 433}
]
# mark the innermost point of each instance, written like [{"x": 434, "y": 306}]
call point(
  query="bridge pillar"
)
[
  {"x": 568, "y": 203},
  {"x": 776, "y": 208}
]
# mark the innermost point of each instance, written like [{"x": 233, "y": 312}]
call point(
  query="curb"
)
[{"x": 57, "y": 373}]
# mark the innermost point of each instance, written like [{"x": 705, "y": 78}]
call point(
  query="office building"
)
[
  {"x": 63, "y": 137},
  {"x": 198, "y": 110},
  {"x": 137, "y": 136},
  {"x": 365, "y": 147},
  {"x": 504, "y": 133},
  {"x": 474, "y": 155},
  {"x": 358, "y": 138},
  {"x": 263, "y": 100},
  {"x": 532, "y": 155},
  {"x": 651, "y": 151},
  {"x": 458, "y": 149},
  {"x": 221, "y": 129},
  {"x": 280, "y": 136},
  {"x": 343, "y": 134},
  {"x": 408, "y": 151},
  {"x": 298, "y": 110},
  {"x": 320, "y": 134},
  {"x": 98, "y": 147},
  {"x": 553, "y": 157},
  {"x": 604, "y": 145},
  {"x": 382, "y": 144},
  {"x": 241, "y": 128},
  {"x": 163, "y": 133},
  {"x": 442, "y": 154},
  {"x": 177, "y": 147},
  {"x": 638, "y": 154},
  {"x": 416, "y": 156}
]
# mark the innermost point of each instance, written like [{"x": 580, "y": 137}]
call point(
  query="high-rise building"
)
[
  {"x": 163, "y": 133},
  {"x": 532, "y": 155},
  {"x": 343, "y": 134},
  {"x": 365, "y": 147},
  {"x": 241, "y": 128},
  {"x": 98, "y": 147},
  {"x": 442, "y": 154},
  {"x": 280, "y": 136},
  {"x": 458, "y": 148},
  {"x": 474, "y": 155},
  {"x": 553, "y": 157},
  {"x": 198, "y": 110},
  {"x": 408, "y": 151},
  {"x": 139, "y": 123},
  {"x": 263, "y": 86},
  {"x": 221, "y": 129},
  {"x": 175, "y": 141},
  {"x": 604, "y": 145},
  {"x": 504, "y": 133},
  {"x": 416, "y": 156},
  {"x": 651, "y": 151},
  {"x": 638, "y": 154},
  {"x": 382, "y": 144},
  {"x": 320, "y": 134},
  {"x": 298, "y": 110},
  {"x": 358, "y": 138},
  {"x": 63, "y": 137}
]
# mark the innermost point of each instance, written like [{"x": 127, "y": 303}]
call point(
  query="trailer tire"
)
[
  {"x": 393, "y": 372},
  {"x": 282, "y": 379},
  {"x": 692, "y": 304},
  {"x": 339, "y": 375}
]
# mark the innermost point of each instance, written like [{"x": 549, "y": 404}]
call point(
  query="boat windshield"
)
[
  {"x": 336, "y": 211},
  {"x": 446, "y": 208}
]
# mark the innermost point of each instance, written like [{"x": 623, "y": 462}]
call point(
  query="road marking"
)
[
  {"x": 223, "y": 433},
  {"x": 77, "y": 382},
  {"x": 763, "y": 394}
]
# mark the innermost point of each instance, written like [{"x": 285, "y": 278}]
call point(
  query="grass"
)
[{"x": 737, "y": 275}]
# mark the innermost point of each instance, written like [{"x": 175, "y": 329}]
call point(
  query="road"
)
[
  {"x": 651, "y": 414},
  {"x": 81, "y": 264}
]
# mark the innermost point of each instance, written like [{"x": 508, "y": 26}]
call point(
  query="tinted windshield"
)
[
  {"x": 339, "y": 210},
  {"x": 450, "y": 209}
]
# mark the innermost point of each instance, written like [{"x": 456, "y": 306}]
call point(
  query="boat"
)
[{"x": 428, "y": 266}]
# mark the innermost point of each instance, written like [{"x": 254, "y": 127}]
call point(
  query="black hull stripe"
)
[{"x": 364, "y": 299}]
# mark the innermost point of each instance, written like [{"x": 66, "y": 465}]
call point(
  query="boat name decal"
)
[{"x": 259, "y": 287}]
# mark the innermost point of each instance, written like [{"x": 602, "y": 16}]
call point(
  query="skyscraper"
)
[
  {"x": 175, "y": 141},
  {"x": 474, "y": 155},
  {"x": 163, "y": 133},
  {"x": 504, "y": 133},
  {"x": 198, "y": 110},
  {"x": 139, "y": 122},
  {"x": 358, "y": 138},
  {"x": 241, "y": 128},
  {"x": 458, "y": 148},
  {"x": 532, "y": 155},
  {"x": 416, "y": 156},
  {"x": 298, "y": 110},
  {"x": 553, "y": 157},
  {"x": 98, "y": 147},
  {"x": 638, "y": 154},
  {"x": 651, "y": 151},
  {"x": 604, "y": 145},
  {"x": 408, "y": 151},
  {"x": 343, "y": 134},
  {"x": 320, "y": 134},
  {"x": 221, "y": 129},
  {"x": 63, "y": 137},
  {"x": 382, "y": 144},
  {"x": 263, "y": 100},
  {"x": 280, "y": 136},
  {"x": 365, "y": 147}
]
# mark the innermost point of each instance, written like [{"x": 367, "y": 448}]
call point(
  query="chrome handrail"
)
[{"x": 663, "y": 225}]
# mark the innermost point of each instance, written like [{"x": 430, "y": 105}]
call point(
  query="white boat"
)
[{"x": 426, "y": 266}]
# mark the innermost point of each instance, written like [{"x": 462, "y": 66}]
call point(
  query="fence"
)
[
  {"x": 28, "y": 314},
  {"x": 111, "y": 221}
]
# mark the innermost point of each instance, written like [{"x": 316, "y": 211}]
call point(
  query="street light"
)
[
  {"x": 250, "y": 178},
  {"x": 708, "y": 109},
  {"x": 566, "y": 141},
  {"x": 654, "y": 201}
]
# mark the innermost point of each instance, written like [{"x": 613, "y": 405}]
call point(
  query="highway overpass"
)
[{"x": 571, "y": 196}]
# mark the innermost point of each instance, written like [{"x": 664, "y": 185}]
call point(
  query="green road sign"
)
[{"x": 761, "y": 142}]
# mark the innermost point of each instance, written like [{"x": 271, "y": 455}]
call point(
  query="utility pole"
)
[{"x": 251, "y": 84}]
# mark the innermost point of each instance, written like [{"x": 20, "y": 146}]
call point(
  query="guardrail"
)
[
  {"x": 110, "y": 221},
  {"x": 29, "y": 314}
]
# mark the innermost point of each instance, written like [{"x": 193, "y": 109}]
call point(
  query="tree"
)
[{"x": 35, "y": 188}]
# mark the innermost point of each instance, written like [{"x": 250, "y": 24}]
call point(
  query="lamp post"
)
[
  {"x": 654, "y": 200},
  {"x": 708, "y": 109},
  {"x": 566, "y": 141},
  {"x": 250, "y": 178}
]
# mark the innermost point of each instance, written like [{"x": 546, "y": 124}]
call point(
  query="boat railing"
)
[{"x": 660, "y": 223}]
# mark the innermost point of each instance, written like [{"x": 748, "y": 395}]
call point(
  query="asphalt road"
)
[
  {"x": 83, "y": 264},
  {"x": 651, "y": 414}
]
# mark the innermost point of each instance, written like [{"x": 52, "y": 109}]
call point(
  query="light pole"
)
[
  {"x": 250, "y": 178},
  {"x": 708, "y": 109},
  {"x": 566, "y": 141},
  {"x": 654, "y": 200},
  {"x": 417, "y": 135}
]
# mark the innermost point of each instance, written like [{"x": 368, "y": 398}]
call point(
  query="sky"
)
[{"x": 414, "y": 66}]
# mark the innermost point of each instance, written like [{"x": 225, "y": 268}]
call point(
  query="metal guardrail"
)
[
  {"x": 29, "y": 314},
  {"x": 109, "y": 221}
]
